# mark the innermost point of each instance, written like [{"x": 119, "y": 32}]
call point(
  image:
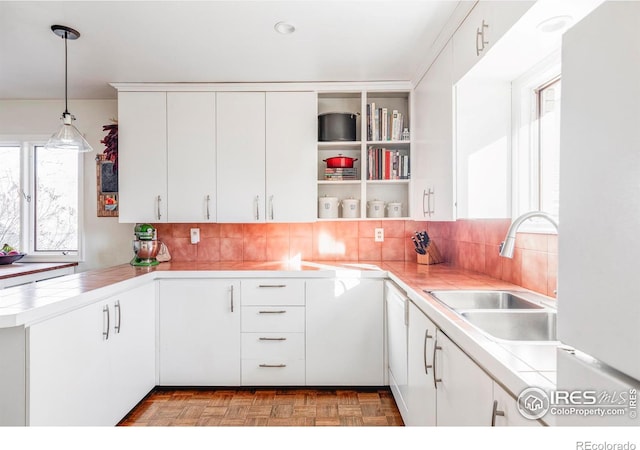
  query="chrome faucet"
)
[{"x": 507, "y": 246}]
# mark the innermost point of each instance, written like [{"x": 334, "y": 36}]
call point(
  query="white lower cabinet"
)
[
  {"x": 199, "y": 340},
  {"x": 345, "y": 332},
  {"x": 91, "y": 366},
  {"x": 273, "y": 332},
  {"x": 464, "y": 392},
  {"x": 505, "y": 410},
  {"x": 421, "y": 390}
]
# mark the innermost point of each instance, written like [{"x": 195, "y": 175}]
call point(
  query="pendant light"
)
[{"x": 67, "y": 137}]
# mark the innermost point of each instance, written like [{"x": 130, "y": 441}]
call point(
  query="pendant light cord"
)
[{"x": 66, "y": 106}]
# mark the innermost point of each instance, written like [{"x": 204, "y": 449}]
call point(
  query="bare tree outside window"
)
[
  {"x": 10, "y": 217},
  {"x": 56, "y": 200}
]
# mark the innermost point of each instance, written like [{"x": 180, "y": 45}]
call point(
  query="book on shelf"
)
[
  {"x": 387, "y": 164},
  {"x": 383, "y": 124}
]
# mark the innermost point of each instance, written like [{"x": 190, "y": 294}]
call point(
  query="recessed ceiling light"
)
[
  {"x": 554, "y": 24},
  {"x": 284, "y": 28}
]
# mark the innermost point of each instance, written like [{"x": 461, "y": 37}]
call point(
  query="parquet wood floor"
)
[{"x": 266, "y": 407}]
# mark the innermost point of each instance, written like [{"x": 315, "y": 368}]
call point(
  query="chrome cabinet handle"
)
[
  {"x": 272, "y": 285},
  {"x": 271, "y": 207},
  {"x": 257, "y": 207},
  {"x": 272, "y": 312},
  {"x": 425, "y": 195},
  {"x": 426, "y": 366},
  {"x": 495, "y": 412},
  {"x": 208, "y": 201},
  {"x": 231, "y": 297},
  {"x": 480, "y": 42},
  {"x": 272, "y": 339},
  {"x": 273, "y": 365},
  {"x": 116, "y": 328},
  {"x": 105, "y": 330},
  {"x": 158, "y": 200},
  {"x": 435, "y": 380}
]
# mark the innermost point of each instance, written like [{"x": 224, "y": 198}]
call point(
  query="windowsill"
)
[{"x": 51, "y": 259}]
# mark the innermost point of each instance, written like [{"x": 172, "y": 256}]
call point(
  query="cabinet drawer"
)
[
  {"x": 273, "y": 292},
  {"x": 273, "y": 346},
  {"x": 275, "y": 319},
  {"x": 263, "y": 372}
]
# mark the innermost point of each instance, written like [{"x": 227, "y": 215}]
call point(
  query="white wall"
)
[{"x": 106, "y": 242}]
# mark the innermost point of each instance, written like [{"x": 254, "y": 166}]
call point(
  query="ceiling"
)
[{"x": 211, "y": 41}]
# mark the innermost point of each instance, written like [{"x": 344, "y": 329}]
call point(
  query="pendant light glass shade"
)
[{"x": 68, "y": 137}]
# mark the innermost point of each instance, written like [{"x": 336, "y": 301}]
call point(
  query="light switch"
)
[{"x": 195, "y": 235}]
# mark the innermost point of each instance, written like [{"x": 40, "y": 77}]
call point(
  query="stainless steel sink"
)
[
  {"x": 464, "y": 300},
  {"x": 515, "y": 325}
]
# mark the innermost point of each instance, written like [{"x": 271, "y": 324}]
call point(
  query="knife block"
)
[{"x": 432, "y": 256}]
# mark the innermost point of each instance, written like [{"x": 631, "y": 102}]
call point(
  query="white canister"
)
[
  {"x": 394, "y": 209},
  {"x": 350, "y": 208},
  {"x": 328, "y": 207},
  {"x": 375, "y": 208}
]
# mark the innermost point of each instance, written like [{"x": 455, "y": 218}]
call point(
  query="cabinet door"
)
[
  {"x": 492, "y": 19},
  {"x": 132, "y": 347},
  {"x": 598, "y": 256},
  {"x": 142, "y": 156},
  {"x": 344, "y": 332},
  {"x": 507, "y": 408},
  {"x": 464, "y": 392},
  {"x": 240, "y": 124},
  {"x": 290, "y": 156},
  {"x": 396, "y": 305},
  {"x": 199, "y": 333},
  {"x": 421, "y": 392},
  {"x": 68, "y": 369},
  {"x": 433, "y": 166},
  {"x": 191, "y": 150}
]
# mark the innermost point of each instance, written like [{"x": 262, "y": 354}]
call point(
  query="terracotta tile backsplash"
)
[{"x": 468, "y": 244}]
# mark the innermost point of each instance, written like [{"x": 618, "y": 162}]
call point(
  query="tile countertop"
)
[
  {"x": 18, "y": 269},
  {"x": 516, "y": 365}
]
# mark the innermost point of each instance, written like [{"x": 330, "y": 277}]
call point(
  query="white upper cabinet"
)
[
  {"x": 599, "y": 242},
  {"x": 266, "y": 156},
  {"x": 433, "y": 167},
  {"x": 191, "y": 143},
  {"x": 142, "y": 156},
  {"x": 482, "y": 28},
  {"x": 240, "y": 123},
  {"x": 291, "y": 131}
]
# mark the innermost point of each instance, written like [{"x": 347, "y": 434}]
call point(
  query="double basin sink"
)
[{"x": 505, "y": 315}]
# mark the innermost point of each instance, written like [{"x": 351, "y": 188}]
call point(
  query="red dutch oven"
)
[{"x": 340, "y": 162}]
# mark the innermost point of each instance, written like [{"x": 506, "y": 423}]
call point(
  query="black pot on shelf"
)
[{"x": 337, "y": 127}]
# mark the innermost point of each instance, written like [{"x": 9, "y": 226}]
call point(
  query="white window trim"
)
[
  {"x": 27, "y": 143},
  {"x": 525, "y": 163}
]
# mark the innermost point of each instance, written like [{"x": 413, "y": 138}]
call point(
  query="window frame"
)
[
  {"x": 27, "y": 145},
  {"x": 525, "y": 140}
]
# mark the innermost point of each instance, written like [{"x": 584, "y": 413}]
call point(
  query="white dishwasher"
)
[{"x": 397, "y": 304}]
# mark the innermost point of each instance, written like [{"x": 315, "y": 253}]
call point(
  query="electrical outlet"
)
[
  {"x": 379, "y": 235},
  {"x": 195, "y": 235}
]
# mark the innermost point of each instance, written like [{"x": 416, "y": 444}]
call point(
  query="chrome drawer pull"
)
[
  {"x": 273, "y": 365},
  {"x": 272, "y": 312},
  {"x": 272, "y": 285},
  {"x": 495, "y": 413},
  {"x": 272, "y": 339}
]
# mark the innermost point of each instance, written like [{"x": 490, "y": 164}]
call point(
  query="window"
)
[
  {"x": 40, "y": 201},
  {"x": 536, "y": 98}
]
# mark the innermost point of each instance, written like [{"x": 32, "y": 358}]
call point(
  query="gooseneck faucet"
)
[{"x": 507, "y": 246}]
